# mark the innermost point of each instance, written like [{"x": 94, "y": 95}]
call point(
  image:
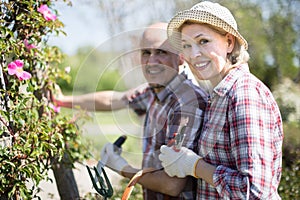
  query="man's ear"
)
[{"x": 181, "y": 58}]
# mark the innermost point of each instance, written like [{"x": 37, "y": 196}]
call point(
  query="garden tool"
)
[
  {"x": 176, "y": 142},
  {"x": 104, "y": 187},
  {"x": 117, "y": 144}
]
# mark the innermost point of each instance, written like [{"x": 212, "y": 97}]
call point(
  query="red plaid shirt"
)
[
  {"x": 242, "y": 136},
  {"x": 179, "y": 100}
]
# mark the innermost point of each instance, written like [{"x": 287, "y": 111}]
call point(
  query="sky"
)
[{"x": 83, "y": 25}]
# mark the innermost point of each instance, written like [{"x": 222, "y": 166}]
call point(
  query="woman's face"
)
[{"x": 206, "y": 51}]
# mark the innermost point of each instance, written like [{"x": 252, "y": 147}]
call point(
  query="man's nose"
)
[{"x": 153, "y": 59}]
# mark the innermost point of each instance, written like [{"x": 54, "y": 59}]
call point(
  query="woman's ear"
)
[{"x": 230, "y": 42}]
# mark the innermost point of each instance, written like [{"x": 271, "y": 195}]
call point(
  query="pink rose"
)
[
  {"x": 16, "y": 68},
  {"x": 45, "y": 11},
  {"x": 55, "y": 108},
  {"x": 29, "y": 46}
]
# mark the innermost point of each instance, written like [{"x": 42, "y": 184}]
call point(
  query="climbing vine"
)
[{"x": 32, "y": 132}]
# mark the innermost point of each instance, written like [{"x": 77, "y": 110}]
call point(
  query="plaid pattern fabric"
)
[
  {"x": 242, "y": 136},
  {"x": 180, "y": 100}
]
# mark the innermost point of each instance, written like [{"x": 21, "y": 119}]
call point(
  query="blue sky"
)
[{"x": 83, "y": 24}]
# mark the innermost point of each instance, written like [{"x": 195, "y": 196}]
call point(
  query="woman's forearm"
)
[{"x": 205, "y": 171}]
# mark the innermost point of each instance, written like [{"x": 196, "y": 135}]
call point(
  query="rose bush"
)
[{"x": 34, "y": 134}]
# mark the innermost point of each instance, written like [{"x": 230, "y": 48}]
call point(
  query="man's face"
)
[{"x": 159, "y": 64}]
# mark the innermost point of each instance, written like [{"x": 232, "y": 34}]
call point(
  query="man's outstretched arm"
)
[{"x": 98, "y": 101}]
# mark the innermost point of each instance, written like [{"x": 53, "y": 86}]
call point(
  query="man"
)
[{"x": 171, "y": 103}]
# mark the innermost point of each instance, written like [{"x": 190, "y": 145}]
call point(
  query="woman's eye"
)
[{"x": 203, "y": 41}]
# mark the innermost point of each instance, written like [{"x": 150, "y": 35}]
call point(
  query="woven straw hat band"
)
[{"x": 205, "y": 13}]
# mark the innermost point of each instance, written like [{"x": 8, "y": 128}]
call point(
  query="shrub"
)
[
  {"x": 35, "y": 134},
  {"x": 289, "y": 187}
]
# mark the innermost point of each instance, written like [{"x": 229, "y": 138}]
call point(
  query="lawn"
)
[{"x": 101, "y": 127}]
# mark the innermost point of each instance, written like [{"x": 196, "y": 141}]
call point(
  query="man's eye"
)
[
  {"x": 185, "y": 46},
  {"x": 145, "y": 52},
  {"x": 159, "y": 51}
]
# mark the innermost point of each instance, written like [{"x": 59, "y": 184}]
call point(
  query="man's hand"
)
[
  {"x": 111, "y": 154},
  {"x": 57, "y": 96},
  {"x": 178, "y": 163},
  {"x": 133, "y": 93}
]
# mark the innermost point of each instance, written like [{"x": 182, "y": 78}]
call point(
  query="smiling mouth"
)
[
  {"x": 201, "y": 66},
  {"x": 154, "y": 70}
]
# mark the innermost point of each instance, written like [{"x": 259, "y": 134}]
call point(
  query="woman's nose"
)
[{"x": 196, "y": 51}]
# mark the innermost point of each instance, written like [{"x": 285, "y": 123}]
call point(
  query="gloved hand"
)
[
  {"x": 111, "y": 158},
  {"x": 178, "y": 163}
]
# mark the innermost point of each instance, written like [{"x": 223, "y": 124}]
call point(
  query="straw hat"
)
[{"x": 209, "y": 13}]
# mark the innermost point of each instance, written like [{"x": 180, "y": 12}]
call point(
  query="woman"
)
[{"x": 240, "y": 144}]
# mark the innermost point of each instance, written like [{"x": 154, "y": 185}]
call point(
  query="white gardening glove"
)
[
  {"x": 178, "y": 163},
  {"x": 112, "y": 158}
]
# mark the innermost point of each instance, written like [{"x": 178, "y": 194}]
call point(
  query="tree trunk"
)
[{"x": 65, "y": 180}]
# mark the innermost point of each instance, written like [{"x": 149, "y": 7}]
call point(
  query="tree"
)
[{"x": 281, "y": 39}]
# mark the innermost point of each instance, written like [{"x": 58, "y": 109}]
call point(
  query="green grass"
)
[
  {"x": 131, "y": 149},
  {"x": 107, "y": 117},
  {"x": 108, "y": 127}
]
